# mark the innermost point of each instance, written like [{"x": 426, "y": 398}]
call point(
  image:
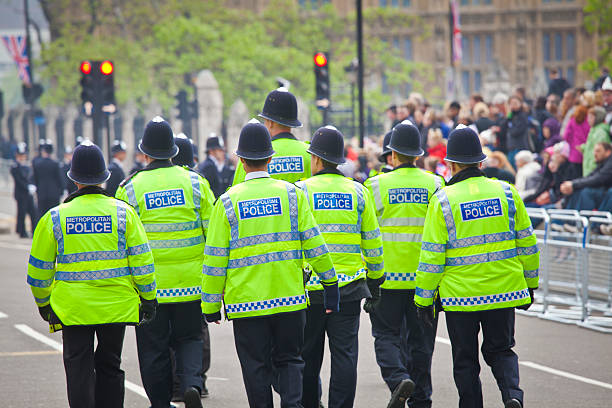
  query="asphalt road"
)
[{"x": 561, "y": 365}]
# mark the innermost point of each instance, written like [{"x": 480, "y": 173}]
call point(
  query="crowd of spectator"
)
[{"x": 555, "y": 148}]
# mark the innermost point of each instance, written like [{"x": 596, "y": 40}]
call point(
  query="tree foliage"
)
[
  {"x": 154, "y": 44},
  {"x": 598, "y": 20}
]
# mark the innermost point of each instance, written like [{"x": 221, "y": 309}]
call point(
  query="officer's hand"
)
[
  {"x": 148, "y": 309},
  {"x": 331, "y": 297},
  {"x": 213, "y": 318},
  {"x": 371, "y": 304},
  {"x": 31, "y": 189},
  {"x": 425, "y": 315},
  {"x": 528, "y": 305},
  {"x": 45, "y": 312}
]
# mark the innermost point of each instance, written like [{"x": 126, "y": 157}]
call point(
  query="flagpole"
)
[
  {"x": 30, "y": 107},
  {"x": 28, "y": 43}
]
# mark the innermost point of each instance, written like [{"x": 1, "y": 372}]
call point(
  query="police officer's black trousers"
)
[
  {"x": 498, "y": 340},
  {"x": 342, "y": 329},
  {"x": 179, "y": 324},
  {"x": 278, "y": 339},
  {"x": 26, "y": 206},
  {"x": 94, "y": 378},
  {"x": 396, "y": 308},
  {"x": 205, "y": 359}
]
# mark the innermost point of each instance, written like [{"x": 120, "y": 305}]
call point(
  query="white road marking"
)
[
  {"x": 549, "y": 370},
  {"x": 15, "y": 246},
  {"x": 3, "y": 315},
  {"x": 58, "y": 346}
]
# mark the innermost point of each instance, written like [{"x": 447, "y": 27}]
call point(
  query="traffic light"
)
[
  {"x": 31, "y": 93},
  {"x": 183, "y": 106},
  {"x": 108, "y": 84},
  {"x": 321, "y": 70},
  {"x": 88, "y": 85}
]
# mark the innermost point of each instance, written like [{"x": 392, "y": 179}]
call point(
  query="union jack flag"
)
[
  {"x": 16, "y": 46},
  {"x": 456, "y": 32}
]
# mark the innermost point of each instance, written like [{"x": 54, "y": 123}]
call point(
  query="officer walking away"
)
[
  {"x": 479, "y": 255},
  {"x": 90, "y": 268},
  {"x": 217, "y": 169},
  {"x": 47, "y": 178},
  {"x": 384, "y": 157},
  {"x": 185, "y": 158},
  {"x": 116, "y": 167},
  {"x": 24, "y": 191},
  {"x": 69, "y": 185},
  {"x": 345, "y": 212},
  {"x": 139, "y": 161},
  {"x": 260, "y": 231},
  {"x": 174, "y": 204},
  {"x": 291, "y": 162},
  {"x": 403, "y": 345}
]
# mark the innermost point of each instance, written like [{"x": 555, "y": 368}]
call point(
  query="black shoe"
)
[
  {"x": 177, "y": 397},
  {"x": 513, "y": 403},
  {"x": 204, "y": 393},
  {"x": 401, "y": 394},
  {"x": 192, "y": 398}
]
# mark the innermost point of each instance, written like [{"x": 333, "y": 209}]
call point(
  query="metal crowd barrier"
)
[{"x": 575, "y": 268}]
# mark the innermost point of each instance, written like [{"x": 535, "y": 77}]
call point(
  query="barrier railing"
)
[{"x": 575, "y": 268}]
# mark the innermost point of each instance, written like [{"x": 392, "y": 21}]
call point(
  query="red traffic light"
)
[
  {"x": 86, "y": 67},
  {"x": 106, "y": 68},
  {"x": 320, "y": 59}
]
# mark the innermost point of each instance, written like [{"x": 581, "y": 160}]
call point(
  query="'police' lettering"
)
[
  {"x": 408, "y": 195},
  {"x": 333, "y": 201},
  {"x": 165, "y": 198},
  {"x": 262, "y": 207},
  {"x": 99, "y": 224},
  {"x": 474, "y": 210},
  {"x": 288, "y": 164}
]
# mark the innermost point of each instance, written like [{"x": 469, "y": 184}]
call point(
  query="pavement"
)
[{"x": 561, "y": 365}]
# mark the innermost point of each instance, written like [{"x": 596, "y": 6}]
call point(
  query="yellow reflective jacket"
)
[
  {"x": 90, "y": 259},
  {"x": 478, "y": 248}
]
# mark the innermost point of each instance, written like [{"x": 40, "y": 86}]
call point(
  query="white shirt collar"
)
[{"x": 256, "y": 174}]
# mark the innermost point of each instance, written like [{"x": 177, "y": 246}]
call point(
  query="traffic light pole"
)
[
  {"x": 360, "y": 69},
  {"x": 97, "y": 114}
]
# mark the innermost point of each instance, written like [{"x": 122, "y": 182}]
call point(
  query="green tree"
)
[{"x": 598, "y": 21}]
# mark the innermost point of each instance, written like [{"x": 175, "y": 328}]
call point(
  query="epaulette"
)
[{"x": 131, "y": 176}]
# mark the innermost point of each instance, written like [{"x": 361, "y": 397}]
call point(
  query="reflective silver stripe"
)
[
  {"x": 399, "y": 237},
  {"x": 524, "y": 233},
  {"x": 316, "y": 280},
  {"x": 57, "y": 230},
  {"x": 195, "y": 184},
  {"x": 266, "y": 258},
  {"x": 92, "y": 275},
  {"x": 129, "y": 189},
  {"x": 485, "y": 300},
  {"x": 482, "y": 258},
  {"x": 91, "y": 256},
  {"x": 438, "y": 182},
  {"x": 302, "y": 185},
  {"x": 345, "y": 228},
  {"x": 231, "y": 215},
  {"x": 511, "y": 205},
  {"x": 344, "y": 248},
  {"x": 481, "y": 239},
  {"x": 448, "y": 215},
  {"x": 530, "y": 274},
  {"x": 402, "y": 222},
  {"x": 293, "y": 207},
  {"x": 176, "y": 243},
  {"x": 360, "y": 202},
  {"x": 377, "y": 197},
  {"x": 264, "y": 239},
  {"x": 121, "y": 226},
  {"x": 179, "y": 292},
  {"x": 179, "y": 226}
]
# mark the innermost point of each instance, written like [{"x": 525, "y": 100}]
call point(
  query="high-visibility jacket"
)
[
  {"x": 90, "y": 259},
  {"x": 290, "y": 163},
  {"x": 479, "y": 248},
  {"x": 345, "y": 212},
  {"x": 174, "y": 204},
  {"x": 261, "y": 231},
  {"x": 401, "y": 197}
]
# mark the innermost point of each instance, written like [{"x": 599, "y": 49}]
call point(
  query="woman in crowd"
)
[
  {"x": 575, "y": 135},
  {"x": 600, "y": 132}
]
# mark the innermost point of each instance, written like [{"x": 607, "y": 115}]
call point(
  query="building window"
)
[
  {"x": 382, "y": 3},
  {"x": 558, "y": 47},
  {"x": 396, "y": 43},
  {"x": 477, "y": 81},
  {"x": 476, "y": 49},
  {"x": 546, "y": 47},
  {"x": 570, "y": 75},
  {"x": 465, "y": 82},
  {"x": 405, "y": 3},
  {"x": 394, "y": 3},
  {"x": 408, "y": 48},
  {"x": 570, "y": 45},
  {"x": 465, "y": 49},
  {"x": 489, "y": 48}
]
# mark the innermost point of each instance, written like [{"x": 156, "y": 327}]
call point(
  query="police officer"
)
[
  {"x": 345, "y": 212},
  {"x": 291, "y": 162},
  {"x": 479, "y": 255},
  {"x": 174, "y": 204},
  {"x": 259, "y": 230},
  {"x": 116, "y": 167},
  {"x": 90, "y": 267},
  {"x": 216, "y": 168},
  {"x": 139, "y": 161},
  {"x": 384, "y": 157},
  {"x": 47, "y": 178},
  {"x": 23, "y": 191},
  {"x": 69, "y": 185},
  {"x": 402, "y": 197},
  {"x": 185, "y": 158}
]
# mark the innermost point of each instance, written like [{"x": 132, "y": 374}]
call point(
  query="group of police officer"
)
[{"x": 404, "y": 241}]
